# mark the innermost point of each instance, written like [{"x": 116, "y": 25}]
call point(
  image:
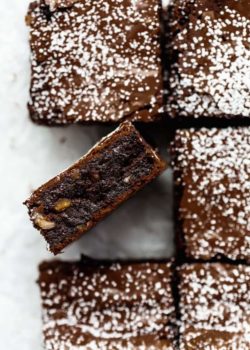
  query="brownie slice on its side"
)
[
  {"x": 104, "y": 305},
  {"x": 208, "y": 55},
  {"x": 214, "y": 307},
  {"x": 95, "y": 61},
  {"x": 111, "y": 172},
  {"x": 212, "y": 180}
]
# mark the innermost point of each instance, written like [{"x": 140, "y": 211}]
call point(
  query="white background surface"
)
[{"x": 32, "y": 154}]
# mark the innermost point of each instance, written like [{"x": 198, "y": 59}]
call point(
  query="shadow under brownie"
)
[
  {"x": 212, "y": 187},
  {"x": 74, "y": 201},
  {"x": 107, "y": 305},
  {"x": 95, "y": 61},
  {"x": 214, "y": 307},
  {"x": 208, "y": 55}
]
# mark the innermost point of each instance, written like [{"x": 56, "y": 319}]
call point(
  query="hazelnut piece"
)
[
  {"x": 62, "y": 204},
  {"x": 42, "y": 222}
]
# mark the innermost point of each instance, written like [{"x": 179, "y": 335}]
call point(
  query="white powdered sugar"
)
[
  {"x": 211, "y": 74},
  {"x": 214, "y": 307},
  {"x": 115, "y": 306},
  {"x": 95, "y": 61},
  {"x": 212, "y": 173}
]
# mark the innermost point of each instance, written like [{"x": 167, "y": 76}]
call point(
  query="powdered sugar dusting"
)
[
  {"x": 115, "y": 306},
  {"x": 212, "y": 171},
  {"x": 211, "y": 75},
  {"x": 95, "y": 61},
  {"x": 214, "y": 307}
]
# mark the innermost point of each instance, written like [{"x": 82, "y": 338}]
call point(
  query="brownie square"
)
[
  {"x": 95, "y": 61},
  {"x": 212, "y": 180},
  {"x": 74, "y": 201},
  {"x": 101, "y": 305},
  {"x": 208, "y": 59},
  {"x": 214, "y": 307}
]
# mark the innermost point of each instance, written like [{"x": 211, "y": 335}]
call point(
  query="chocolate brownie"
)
[
  {"x": 209, "y": 58},
  {"x": 101, "y": 305},
  {"x": 95, "y": 61},
  {"x": 214, "y": 307},
  {"x": 74, "y": 201},
  {"x": 212, "y": 179}
]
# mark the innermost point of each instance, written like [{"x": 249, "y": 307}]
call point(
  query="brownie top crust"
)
[
  {"x": 212, "y": 176},
  {"x": 209, "y": 50},
  {"x": 95, "y": 61},
  {"x": 95, "y": 305},
  {"x": 59, "y": 4},
  {"x": 214, "y": 307}
]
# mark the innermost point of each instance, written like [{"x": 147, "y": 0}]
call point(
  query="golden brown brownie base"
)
[
  {"x": 74, "y": 201},
  {"x": 212, "y": 186},
  {"x": 208, "y": 58},
  {"x": 105, "y": 305},
  {"x": 95, "y": 61},
  {"x": 214, "y": 307}
]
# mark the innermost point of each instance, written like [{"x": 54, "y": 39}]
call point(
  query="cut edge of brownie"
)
[
  {"x": 125, "y": 129},
  {"x": 89, "y": 261},
  {"x": 181, "y": 254}
]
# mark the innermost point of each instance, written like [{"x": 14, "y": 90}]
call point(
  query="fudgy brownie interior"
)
[{"x": 83, "y": 194}]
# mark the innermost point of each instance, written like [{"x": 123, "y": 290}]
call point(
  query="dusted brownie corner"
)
[
  {"x": 212, "y": 185},
  {"x": 95, "y": 61},
  {"x": 214, "y": 307},
  {"x": 74, "y": 201},
  {"x": 105, "y": 305},
  {"x": 208, "y": 56}
]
